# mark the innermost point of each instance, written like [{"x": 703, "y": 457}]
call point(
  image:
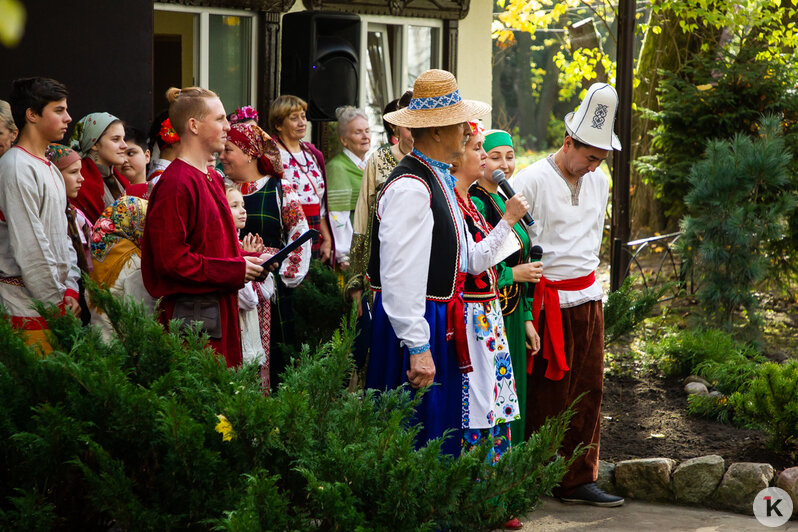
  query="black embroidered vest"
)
[
  {"x": 510, "y": 295},
  {"x": 445, "y": 251}
]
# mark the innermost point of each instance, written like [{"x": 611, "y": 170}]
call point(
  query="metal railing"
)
[{"x": 670, "y": 266}]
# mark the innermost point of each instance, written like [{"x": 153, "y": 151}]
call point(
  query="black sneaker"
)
[{"x": 591, "y": 494}]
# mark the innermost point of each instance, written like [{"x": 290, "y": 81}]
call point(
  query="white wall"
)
[{"x": 474, "y": 54}]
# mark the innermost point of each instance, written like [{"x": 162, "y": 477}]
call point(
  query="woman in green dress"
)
[{"x": 515, "y": 272}]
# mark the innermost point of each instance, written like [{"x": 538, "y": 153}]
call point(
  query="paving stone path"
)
[{"x": 636, "y": 516}]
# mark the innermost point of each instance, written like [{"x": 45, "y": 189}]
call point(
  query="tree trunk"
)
[{"x": 668, "y": 50}]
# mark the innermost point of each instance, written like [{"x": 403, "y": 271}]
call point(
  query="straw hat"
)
[
  {"x": 592, "y": 123},
  {"x": 436, "y": 102}
]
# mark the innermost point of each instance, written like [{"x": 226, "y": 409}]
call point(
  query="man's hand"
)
[
  {"x": 532, "y": 338},
  {"x": 72, "y": 305},
  {"x": 514, "y": 209},
  {"x": 422, "y": 370},
  {"x": 528, "y": 272},
  {"x": 255, "y": 272}
]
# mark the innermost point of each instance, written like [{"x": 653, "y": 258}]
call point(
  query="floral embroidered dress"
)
[
  {"x": 490, "y": 401},
  {"x": 303, "y": 172}
]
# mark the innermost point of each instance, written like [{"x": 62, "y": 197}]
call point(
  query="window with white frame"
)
[
  {"x": 209, "y": 47},
  {"x": 394, "y": 51}
]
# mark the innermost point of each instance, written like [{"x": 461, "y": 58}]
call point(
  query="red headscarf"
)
[{"x": 255, "y": 142}]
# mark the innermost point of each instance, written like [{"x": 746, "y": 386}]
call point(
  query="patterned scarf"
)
[{"x": 256, "y": 143}]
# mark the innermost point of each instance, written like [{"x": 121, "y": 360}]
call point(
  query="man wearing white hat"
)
[
  {"x": 568, "y": 194},
  {"x": 420, "y": 253}
]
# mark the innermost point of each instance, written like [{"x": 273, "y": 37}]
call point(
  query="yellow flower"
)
[{"x": 225, "y": 428}]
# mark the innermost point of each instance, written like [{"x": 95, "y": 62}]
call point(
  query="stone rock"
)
[
  {"x": 715, "y": 393},
  {"x": 696, "y": 479},
  {"x": 647, "y": 479},
  {"x": 696, "y": 378},
  {"x": 740, "y": 484},
  {"x": 777, "y": 356},
  {"x": 788, "y": 481},
  {"x": 606, "y": 477},
  {"x": 696, "y": 388}
]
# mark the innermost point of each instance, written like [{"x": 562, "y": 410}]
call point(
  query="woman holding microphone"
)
[{"x": 515, "y": 272}]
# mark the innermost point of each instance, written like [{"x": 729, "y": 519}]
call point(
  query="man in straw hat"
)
[
  {"x": 569, "y": 196},
  {"x": 420, "y": 253}
]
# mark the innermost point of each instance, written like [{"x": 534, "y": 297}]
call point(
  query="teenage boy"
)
[{"x": 37, "y": 260}]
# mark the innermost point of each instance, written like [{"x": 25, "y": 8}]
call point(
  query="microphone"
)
[
  {"x": 498, "y": 177},
  {"x": 535, "y": 254}
]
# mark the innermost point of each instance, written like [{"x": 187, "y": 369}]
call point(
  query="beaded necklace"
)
[{"x": 305, "y": 169}]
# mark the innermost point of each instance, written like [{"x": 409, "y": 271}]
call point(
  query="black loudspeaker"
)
[{"x": 319, "y": 60}]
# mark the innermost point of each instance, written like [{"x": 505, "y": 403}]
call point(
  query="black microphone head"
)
[
  {"x": 497, "y": 176},
  {"x": 535, "y": 254}
]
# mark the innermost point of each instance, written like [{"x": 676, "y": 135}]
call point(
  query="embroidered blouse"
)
[{"x": 305, "y": 176}]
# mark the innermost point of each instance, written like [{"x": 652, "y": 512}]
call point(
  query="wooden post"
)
[{"x": 620, "y": 169}]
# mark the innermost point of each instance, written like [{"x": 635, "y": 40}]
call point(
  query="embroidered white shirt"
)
[
  {"x": 406, "y": 251},
  {"x": 569, "y": 234}
]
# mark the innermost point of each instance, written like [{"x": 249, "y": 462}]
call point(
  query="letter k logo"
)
[{"x": 772, "y": 507}]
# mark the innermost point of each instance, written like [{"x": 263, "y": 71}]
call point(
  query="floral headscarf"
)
[
  {"x": 243, "y": 113},
  {"x": 89, "y": 130},
  {"x": 256, "y": 143},
  {"x": 122, "y": 220},
  {"x": 61, "y": 156}
]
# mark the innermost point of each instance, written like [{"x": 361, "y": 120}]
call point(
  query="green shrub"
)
[
  {"x": 626, "y": 308},
  {"x": 716, "y": 356},
  {"x": 319, "y": 305},
  {"x": 739, "y": 201},
  {"x": 714, "y": 98},
  {"x": 153, "y": 432},
  {"x": 771, "y": 402},
  {"x": 713, "y": 354}
]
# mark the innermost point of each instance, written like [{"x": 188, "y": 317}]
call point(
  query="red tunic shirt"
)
[{"x": 190, "y": 247}]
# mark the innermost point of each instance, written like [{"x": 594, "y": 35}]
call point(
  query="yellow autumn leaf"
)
[
  {"x": 12, "y": 22},
  {"x": 225, "y": 428},
  {"x": 705, "y": 87}
]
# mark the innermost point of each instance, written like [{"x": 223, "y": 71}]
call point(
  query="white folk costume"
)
[
  {"x": 37, "y": 260},
  {"x": 306, "y": 173}
]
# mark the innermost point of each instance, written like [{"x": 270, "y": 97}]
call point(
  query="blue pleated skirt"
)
[{"x": 442, "y": 406}]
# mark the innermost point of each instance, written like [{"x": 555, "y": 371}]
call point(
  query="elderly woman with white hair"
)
[{"x": 344, "y": 175}]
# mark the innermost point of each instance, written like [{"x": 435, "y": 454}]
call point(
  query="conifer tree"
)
[
  {"x": 739, "y": 201},
  {"x": 152, "y": 432}
]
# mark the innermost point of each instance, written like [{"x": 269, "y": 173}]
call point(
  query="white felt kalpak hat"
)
[{"x": 592, "y": 123}]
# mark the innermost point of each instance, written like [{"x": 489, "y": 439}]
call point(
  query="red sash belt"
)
[
  {"x": 456, "y": 325},
  {"x": 553, "y": 348}
]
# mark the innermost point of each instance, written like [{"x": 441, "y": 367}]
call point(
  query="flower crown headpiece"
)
[{"x": 246, "y": 112}]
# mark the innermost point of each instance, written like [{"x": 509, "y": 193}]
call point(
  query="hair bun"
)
[{"x": 172, "y": 94}]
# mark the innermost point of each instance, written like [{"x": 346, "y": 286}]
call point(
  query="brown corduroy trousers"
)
[{"x": 583, "y": 331}]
